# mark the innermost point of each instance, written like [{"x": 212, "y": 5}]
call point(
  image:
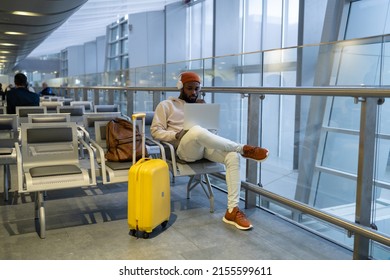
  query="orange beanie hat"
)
[{"x": 189, "y": 77}]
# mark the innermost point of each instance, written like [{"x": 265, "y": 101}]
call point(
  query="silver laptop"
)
[{"x": 205, "y": 115}]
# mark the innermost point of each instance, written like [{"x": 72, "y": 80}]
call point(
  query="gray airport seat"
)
[
  {"x": 87, "y": 130},
  {"x": 76, "y": 113},
  {"x": 89, "y": 120},
  {"x": 9, "y": 135},
  {"x": 51, "y": 106},
  {"x": 48, "y": 160},
  {"x": 198, "y": 172},
  {"x": 66, "y": 101},
  {"x": 88, "y": 105},
  {"x": 56, "y": 98},
  {"x": 115, "y": 172},
  {"x": 23, "y": 111},
  {"x": 49, "y": 117},
  {"x": 111, "y": 172},
  {"x": 106, "y": 108}
]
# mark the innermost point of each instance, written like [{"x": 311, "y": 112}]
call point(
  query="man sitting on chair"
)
[
  {"x": 198, "y": 143},
  {"x": 20, "y": 95}
]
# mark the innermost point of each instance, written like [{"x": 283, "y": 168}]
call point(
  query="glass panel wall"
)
[
  {"x": 325, "y": 130},
  {"x": 381, "y": 192}
]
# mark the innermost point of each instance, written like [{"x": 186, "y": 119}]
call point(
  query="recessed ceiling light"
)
[
  {"x": 14, "y": 33},
  {"x": 4, "y": 52},
  {"x": 7, "y": 44},
  {"x": 26, "y": 13}
]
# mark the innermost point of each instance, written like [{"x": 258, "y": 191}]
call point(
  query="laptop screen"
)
[{"x": 204, "y": 115}]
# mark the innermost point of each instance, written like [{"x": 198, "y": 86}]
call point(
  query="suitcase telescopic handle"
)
[{"x": 134, "y": 118}]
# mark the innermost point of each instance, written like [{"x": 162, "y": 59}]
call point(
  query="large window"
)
[
  {"x": 118, "y": 46},
  {"x": 368, "y": 18},
  {"x": 356, "y": 62}
]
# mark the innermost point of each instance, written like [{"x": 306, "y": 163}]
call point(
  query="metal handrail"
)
[
  {"x": 347, "y": 225},
  {"x": 378, "y": 92},
  {"x": 352, "y": 227}
]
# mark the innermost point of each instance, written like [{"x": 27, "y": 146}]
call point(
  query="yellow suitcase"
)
[{"x": 149, "y": 199}]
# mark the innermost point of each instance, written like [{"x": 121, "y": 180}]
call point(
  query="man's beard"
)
[{"x": 187, "y": 98}]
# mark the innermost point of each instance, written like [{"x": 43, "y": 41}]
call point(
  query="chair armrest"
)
[
  {"x": 19, "y": 166},
  {"x": 126, "y": 117},
  {"x": 162, "y": 150},
  {"x": 85, "y": 133},
  {"x": 100, "y": 152},
  {"x": 173, "y": 155},
  {"x": 91, "y": 160}
]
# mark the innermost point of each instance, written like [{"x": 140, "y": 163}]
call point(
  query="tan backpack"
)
[{"x": 119, "y": 139}]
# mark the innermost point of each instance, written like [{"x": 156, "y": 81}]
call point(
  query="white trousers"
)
[{"x": 200, "y": 143}]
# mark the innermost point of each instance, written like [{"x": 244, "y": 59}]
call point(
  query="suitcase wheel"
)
[
  {"x": 164, "y": 224},
  {"x": 145, "y": 234}
]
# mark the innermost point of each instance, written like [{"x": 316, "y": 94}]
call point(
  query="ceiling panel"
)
[
  {"x": 24, "y": 25},
  {"x": 57, "y": 24}
]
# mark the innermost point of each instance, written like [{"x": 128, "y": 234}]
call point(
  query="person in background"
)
[
  {"x": 31, "y": 88},
  {"x": 197, "y": 143},
  {"x": 9, "y": 87},
  {"x": 20, "y": 95},
  {"x": 2, "y": 93},
  {"x": 46, "y": 90}
]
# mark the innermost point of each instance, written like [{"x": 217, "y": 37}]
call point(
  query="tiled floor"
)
[{"x": 91, "y": 223}]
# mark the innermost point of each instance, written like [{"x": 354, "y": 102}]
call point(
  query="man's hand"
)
[
  {"x": 180, "y": 134},
  {"x": 200, "y": 101}
]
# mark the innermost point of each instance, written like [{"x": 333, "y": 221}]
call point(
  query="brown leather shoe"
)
[
  {"x": 255, "y": 153},
  {"x": 238, "y": 219}
]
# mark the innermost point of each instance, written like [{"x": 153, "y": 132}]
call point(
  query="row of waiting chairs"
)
[
  {"x": 76, "y": 111},
  {"x": 58, "y": 106},
  {"x": 88, "y": 106},
  {"x": 46, "y": 154},
  {"x": 66, "y": 100},
  {"x": 48, "y": 158}
]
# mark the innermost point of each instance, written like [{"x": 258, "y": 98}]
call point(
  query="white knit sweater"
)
[{"x": 168, "y": 120}]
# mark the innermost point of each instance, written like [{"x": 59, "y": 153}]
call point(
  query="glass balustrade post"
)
[
  {"x": 111, "y": 96},
  {"x": 254, "y": 138},
  {"x": 364, "y": 184},
  {"x": 96, "y": 100},
  {"x": 130, "y": 102},
  {"x": 85, "y": 94},
  {"x": 157, "y": 97}
]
